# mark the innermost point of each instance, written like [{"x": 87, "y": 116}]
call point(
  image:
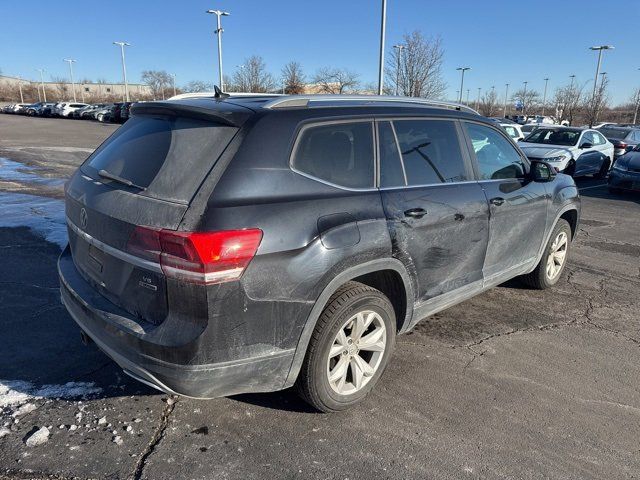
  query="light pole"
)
[
  {"x": 599, "y": 48},
  {"x": 44, "y": 93},
  {"x": 635, "y": 115},
  {"x": 398, "y": 47},
  {"x": 478, "y": 100},
  {"x": 544, "y": 96},
  {"x": 71, "y": 61},
  {"x": 572, "y": 77},
  {"x": 524, "y": 99},
  {"x": 218, "y": 31},
  {"x": 603, "y": 74},
  {"x": 173, "y": 75},
  {"x": 383, "y": 24},
  {"x": 462, "y": 70},
  {"x": 22, "y": 98},
  {"x": 468, "y": 90},
  {"x": 124, "y": 68},
  {"x": 506, "y": 95}
]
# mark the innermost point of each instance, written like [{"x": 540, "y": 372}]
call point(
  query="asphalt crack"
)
[{"x": 155, "y": 439}]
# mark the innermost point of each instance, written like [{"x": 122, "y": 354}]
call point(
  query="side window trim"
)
[
  {"x": 395, "y": 137},
  {"x": 472, "y": 153},
  {"x": 374, "y": 138}
]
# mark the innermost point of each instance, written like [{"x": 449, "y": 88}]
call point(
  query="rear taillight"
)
[
  {"x": 197, "y": 257},
  {"x": 621, "y": 145}
]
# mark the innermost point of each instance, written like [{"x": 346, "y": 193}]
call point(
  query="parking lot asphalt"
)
[{"x": 514, "y": 383}]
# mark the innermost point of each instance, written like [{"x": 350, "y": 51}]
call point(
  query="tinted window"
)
[
  {"x": 169, "y": 155},
  {"x": 497, "y": 157},
  {"x": 430, "y": 151},
  {"x": 613, "y": 132},
  {"x": 636, "y": 136},
  {"x": 554, "y": 137},
  {"x": 392, "y": 173},
  {"x": 339, "y": 153},
  {"x": 587, "y": 137}
]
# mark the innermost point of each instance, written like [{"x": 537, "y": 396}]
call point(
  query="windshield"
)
[{"x": 554, "y": 137}]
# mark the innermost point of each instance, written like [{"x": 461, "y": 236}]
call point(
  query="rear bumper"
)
[{"x": 118, "y": 337}]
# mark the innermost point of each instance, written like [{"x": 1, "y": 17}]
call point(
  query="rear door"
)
[
  {"x": 436, "y": 212},
  {"x": 589, "y": 159},
  {"x": 517, "y": 207},
  {"x": 165, "y": 157}
]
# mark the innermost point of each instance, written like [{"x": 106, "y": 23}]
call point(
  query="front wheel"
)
[
  {"x": 349, "y": 349},
  {"x": 554, "y": 258}
]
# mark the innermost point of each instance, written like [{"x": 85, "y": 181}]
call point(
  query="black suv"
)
[{"x": 252, "y": 243}]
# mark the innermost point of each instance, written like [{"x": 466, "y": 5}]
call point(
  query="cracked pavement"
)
[{"x": 514, "y": 383}]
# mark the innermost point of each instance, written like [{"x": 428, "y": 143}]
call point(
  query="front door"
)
[
  {"x": 436, "y": 212},
  {"x": 518, "y": 207}
]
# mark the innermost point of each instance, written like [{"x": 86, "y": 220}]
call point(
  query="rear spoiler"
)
[{"x": 221, "y": 112}]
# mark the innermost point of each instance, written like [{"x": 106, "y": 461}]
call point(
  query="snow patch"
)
[{"x": 15, "y": 393}]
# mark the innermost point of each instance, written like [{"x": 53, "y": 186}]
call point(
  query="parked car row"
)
[{"x": 101, "y": 112}]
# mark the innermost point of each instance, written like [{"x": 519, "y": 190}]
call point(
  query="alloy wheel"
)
[
  {"x": 557, "y": 256},
  {"x": 356, "y": 352}
]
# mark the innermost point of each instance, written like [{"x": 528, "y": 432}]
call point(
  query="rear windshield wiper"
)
[{"x": 116, "y": 178}]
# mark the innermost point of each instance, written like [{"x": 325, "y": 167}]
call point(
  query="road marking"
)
[{"x": 595, "y": 186}]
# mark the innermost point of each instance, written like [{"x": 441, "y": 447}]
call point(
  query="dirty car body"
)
[{"x": 223, "y": 166}]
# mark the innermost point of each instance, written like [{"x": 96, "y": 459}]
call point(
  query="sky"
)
[{"x": 502, "y": 41}]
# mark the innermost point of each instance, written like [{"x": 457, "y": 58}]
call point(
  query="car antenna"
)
[{"x": 219, "y": 94}]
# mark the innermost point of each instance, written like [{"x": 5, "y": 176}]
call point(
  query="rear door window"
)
[
  {"x": 337, "y": 153},
  {"x": 168, "y": 156},
  {"x": 430, "y": 152}
]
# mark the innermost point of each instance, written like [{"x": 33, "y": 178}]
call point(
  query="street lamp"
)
[
  {"x": 71, "y": 61},
  {"x": 478, "y": 101},
  {"x": 506, "y": 95},
  {"x": 599, "y": 48},
  {"x": 635, "y": 115},
  {"x": 173, "y": 75},
  {"x": 218, "y": 31},
  {"x": 462, "y": 70},
  {"x": 398, "y": 47},
  {"x": 124, "y": 68},
  {"x": 604, "y": 74},
  {"x": 44, "y": 93},
  {"x": 383, "y": 23},
  {"x": 572, "y": 77},
  {"x": 524, "y": 99},
  {"x": 468, "y": 90},
  {"x": 544, "y": 96}
]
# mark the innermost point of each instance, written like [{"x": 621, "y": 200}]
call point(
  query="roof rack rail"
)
[
  {"x": 292, "y": 101},
  {"x": 181, "y": 96}
]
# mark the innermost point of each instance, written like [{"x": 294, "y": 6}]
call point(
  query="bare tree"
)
[
  {"x": 293, "y": 78},
  {"x": 529, "y": 99},
  {"x": 197, "y": 86},
  {"x": 158, "y": 81},
  {"x": 568, "y": 100},
  {"x": 253, "y": 77},
  {"x": 635, "y": 103},
  {"x": 489, "y": 104},
  {"x": 594, "y": 104},
  {"x": 61, "y": 88},
  {"x": 336, "y": 80},
  {"x": 416, "y": 70}
]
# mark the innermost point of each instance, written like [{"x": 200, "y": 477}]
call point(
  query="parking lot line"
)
[{"x": 592, "y": 187}]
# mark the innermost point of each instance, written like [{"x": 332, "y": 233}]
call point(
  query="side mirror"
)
[
  {"x": 542, "y": 172},
  {"x": 586, "y": 145}
]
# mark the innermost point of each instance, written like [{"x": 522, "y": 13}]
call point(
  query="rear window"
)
[
  {"x": 614, "y": 132},
  {"x": 168, "y": 156}
]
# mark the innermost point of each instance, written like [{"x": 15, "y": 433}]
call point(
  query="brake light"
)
[
  {"x": 197, "y": 257},
  {"x": 621, "y": 145}
]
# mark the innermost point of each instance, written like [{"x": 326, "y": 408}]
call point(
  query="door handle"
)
[
  {"x": 497, "y": 201},
  {"x": 415, "y": 212}
]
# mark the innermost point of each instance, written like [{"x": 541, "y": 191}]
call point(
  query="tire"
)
[
  {"x": 540, "y": 278},
  {"x": 571, "y": 168},
  {"x": 353, "y": 302},
  {"x": 604, "y": 169}
]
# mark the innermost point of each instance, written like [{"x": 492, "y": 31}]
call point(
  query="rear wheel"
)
[
  {"x": 604, "y": 169},
  {"x": 554, "y": 258},
  {"x": 349, "y": 349}
]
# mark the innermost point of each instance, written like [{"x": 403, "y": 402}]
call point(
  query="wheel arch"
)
[{"x": 387, "y": 275}]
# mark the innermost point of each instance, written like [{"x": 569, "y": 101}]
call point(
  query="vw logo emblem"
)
[{"x": 83, "y": 218}]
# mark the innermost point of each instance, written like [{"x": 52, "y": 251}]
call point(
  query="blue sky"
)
[{"x": 503, "y": 41}]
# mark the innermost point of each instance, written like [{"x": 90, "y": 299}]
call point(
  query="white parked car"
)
[
  {"x": 66, "y": 109},
  {"x": 513, "y": 130},
  {"x": 574, "y": 151}
]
